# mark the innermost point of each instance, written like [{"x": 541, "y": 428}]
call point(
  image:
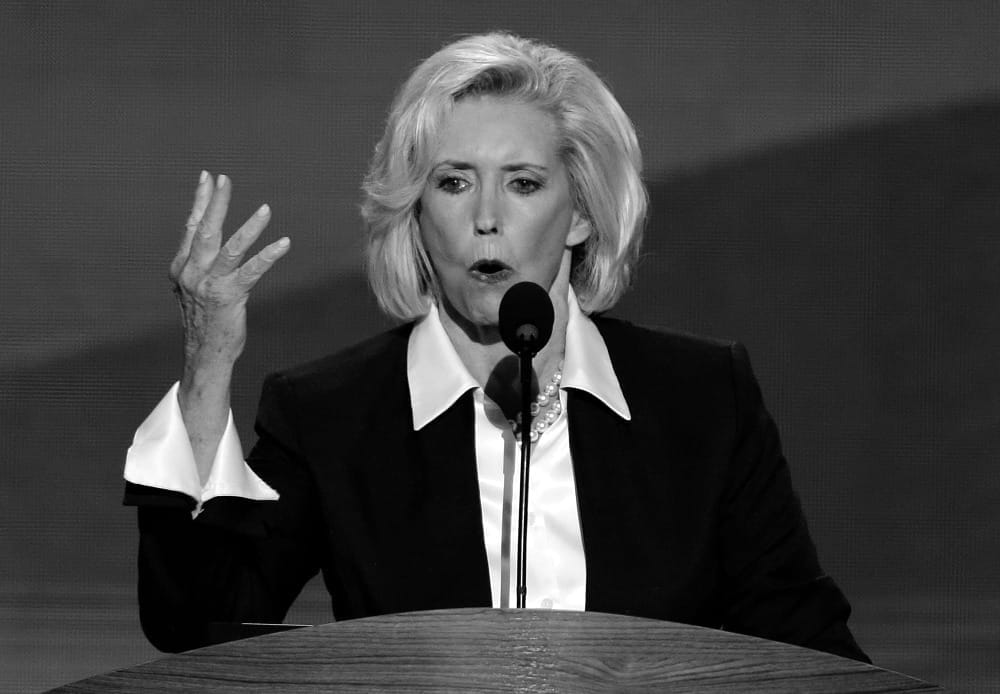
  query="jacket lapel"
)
[
  {"x": 447, "y": 455},
  {"x": 599, "y": 440},
  {"x": 621, "y": 469}
]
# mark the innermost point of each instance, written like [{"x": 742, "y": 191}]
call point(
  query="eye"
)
[
  {"x": 525, "y": 186},
  {"x": 452, "y": 184}
]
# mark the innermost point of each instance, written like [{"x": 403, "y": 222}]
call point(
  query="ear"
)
[{"x": 579, "y": 230}]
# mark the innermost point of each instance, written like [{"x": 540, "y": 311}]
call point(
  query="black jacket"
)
[{"x": 687, "y": 511}]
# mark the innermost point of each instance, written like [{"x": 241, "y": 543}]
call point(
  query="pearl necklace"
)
[{"x": 544, "y": 410}]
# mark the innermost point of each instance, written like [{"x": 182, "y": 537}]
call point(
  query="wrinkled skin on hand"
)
[{"x": 212, "y": 286}]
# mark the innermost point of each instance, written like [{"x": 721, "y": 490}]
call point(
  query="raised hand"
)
[{"x": 212, "y": 288}]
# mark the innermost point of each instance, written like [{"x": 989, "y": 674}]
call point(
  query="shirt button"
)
[{"x": 547, "y": 603}]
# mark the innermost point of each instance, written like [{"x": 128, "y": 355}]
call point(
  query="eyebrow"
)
[{"x": 516, "y": 166}]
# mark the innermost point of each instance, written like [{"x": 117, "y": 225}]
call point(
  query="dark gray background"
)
[{"x": 824, "y": 178}]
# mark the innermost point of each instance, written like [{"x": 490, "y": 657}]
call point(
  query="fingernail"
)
[
  {"x": 203, "y": 177},
  {"x": 283, "y": 242},
  {"x": 263, "y": 210},
  {"x": 221, "y": 181}
]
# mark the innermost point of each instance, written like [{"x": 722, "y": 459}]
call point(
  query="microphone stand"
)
[
  {"x": 522, "y": 504},
  {"x": 526, "y": 318}
]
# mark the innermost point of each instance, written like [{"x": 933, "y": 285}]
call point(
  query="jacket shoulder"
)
[
  {"x": 359, "y": 368},
  {"x": 695, "y": 377},
  {"x": 662, "y": 347}
]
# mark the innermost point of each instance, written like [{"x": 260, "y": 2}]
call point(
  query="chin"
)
[
  {"x": 485, "y": 316},
  {"x": 482, "y": 310}
]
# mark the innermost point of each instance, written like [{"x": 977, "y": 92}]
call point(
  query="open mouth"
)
[{"x": 491, "y": 270}]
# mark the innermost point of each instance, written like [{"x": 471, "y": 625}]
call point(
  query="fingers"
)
[
  {"x": 206, "y": 241},
  {"x": 202, "y": 194},
  {"x": 202, "y": 254},
  {"x": 255, "y": 268},
  {"x": 232, "y": 253}
]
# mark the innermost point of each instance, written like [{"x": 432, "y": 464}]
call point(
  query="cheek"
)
[
  {"x": 436, "y": 234},
  {"x": 551, "y": 233}
]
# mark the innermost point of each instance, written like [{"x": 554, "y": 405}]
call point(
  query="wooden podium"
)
[{"x": 470, "y": 650}]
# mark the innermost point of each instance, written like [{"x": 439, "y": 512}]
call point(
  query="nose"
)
[{"x": 487, "y": 214}]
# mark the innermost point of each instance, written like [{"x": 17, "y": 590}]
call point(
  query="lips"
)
[{"x": 491, "y": 270}]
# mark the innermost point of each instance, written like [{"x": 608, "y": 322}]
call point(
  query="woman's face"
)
[{"x": 497, "y": 207}]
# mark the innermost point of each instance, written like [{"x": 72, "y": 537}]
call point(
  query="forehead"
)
[{"x": 497, "y": 128}]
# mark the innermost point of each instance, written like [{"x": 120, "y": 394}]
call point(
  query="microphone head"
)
[{"x": 526, "y": 318}]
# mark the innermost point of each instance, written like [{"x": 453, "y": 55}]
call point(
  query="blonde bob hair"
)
[{"x": 597, "y": 144}]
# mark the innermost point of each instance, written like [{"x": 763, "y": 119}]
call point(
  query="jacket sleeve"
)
[
  {"x": 776, "y": 588},
  {"x": 240, "y": 560}
]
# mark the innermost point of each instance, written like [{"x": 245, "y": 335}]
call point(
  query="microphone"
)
[{"x": 526, "y": 318}]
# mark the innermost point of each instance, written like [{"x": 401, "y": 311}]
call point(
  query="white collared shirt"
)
[
  {"x": 161, "y": 457},
  {"x": 556, "y": 567}
]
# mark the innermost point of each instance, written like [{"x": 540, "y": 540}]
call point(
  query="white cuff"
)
[{"x": 160, "y": 456}]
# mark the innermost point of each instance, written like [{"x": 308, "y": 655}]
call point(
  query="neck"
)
[{"x": 492, "y": 364}]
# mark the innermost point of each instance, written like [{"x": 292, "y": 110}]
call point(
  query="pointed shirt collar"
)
[{"x": 437, "y": 377}]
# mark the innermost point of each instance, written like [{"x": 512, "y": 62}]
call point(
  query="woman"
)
[{"x": 658, "y": 485}]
